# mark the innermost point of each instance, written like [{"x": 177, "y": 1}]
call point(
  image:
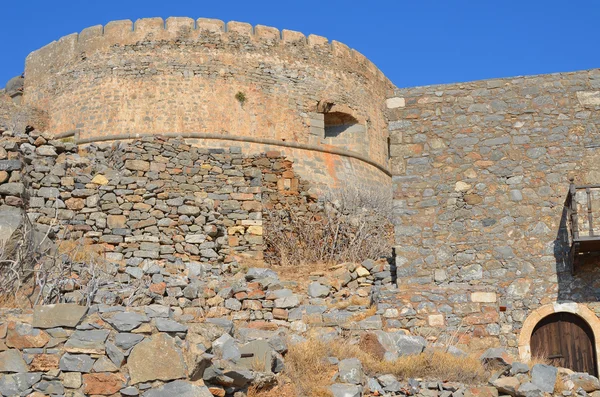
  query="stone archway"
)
[{"x": 568, "y": 307}]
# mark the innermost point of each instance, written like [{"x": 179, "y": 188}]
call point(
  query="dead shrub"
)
[
  {"x": 34, "y": 270},
  {"x": 308, "y": 369},
  {"x": 20, "y": 257},
  {"x": 348, "y": 226}
]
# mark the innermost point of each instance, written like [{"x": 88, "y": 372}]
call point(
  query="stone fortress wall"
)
[
  {"x": 205, "y": 76},
  {"x": 480, "y": 170},
  {"x": 481, "y": 175}
]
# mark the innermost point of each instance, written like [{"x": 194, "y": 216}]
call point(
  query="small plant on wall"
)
[{"x": 241, "y": 97}]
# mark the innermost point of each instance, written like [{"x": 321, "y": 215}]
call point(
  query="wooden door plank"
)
[{"x": 568, "y": 339}]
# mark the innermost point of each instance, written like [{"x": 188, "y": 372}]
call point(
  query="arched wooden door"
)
[{"x": 567, "y": 341}]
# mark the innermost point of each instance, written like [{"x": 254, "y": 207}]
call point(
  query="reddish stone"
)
[
  {"x": 252, "y": 206},
  {"x": 158, "y": 288},
  {"x": 75, "y": 203},
  {"x": 263, "y": 325},
  {"x": 242, "y": 196},
  {"x": 481, "y": 391},
  {"x": 251, "y": 305},
  {"x": 217, "y": 391},
  {"x": 220, "y": 311},
  {"x": 254, "y": 285},
  {"x": 489, "y": 315},
  {"x": 23, "y": 336},
  {"x": 240, "y": 296},
  {"x": 257, "y": 294},
  {"x": 103, "y": 383},
  {"x": 280, "y": 314},
  {"x": 44, "y": 362},
  {"x": 479, "y": 331},
  {"x": 145, "y": 223}
]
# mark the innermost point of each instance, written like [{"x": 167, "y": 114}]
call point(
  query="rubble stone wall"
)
[
  {"x": 481, "y": 174},
  {"x": 210, "y": 77},
  {"x": 150, "y": 198}
]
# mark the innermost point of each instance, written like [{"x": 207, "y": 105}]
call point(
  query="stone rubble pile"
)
[
  {"x": 155, "y": 351},
  {"x": 258, "y": 295}
]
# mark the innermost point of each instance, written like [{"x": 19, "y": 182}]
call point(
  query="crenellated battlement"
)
[
  {"x": 210, "y": 77},
  {"x": 96, "y": 38}
]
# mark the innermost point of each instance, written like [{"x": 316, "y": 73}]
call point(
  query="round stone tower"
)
[{"x": 218, "y": 84}]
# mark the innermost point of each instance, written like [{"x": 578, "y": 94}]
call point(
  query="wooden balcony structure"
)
[{"x": 582, "y": 237}]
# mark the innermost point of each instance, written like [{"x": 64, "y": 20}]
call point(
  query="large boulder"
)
[
  {"x": 156, "y": 358},
  {"x": 226, "y": 348},
  {"x": 529, "y": 389},
  {"x": 544, "y": 377},
  {"x": 507, "y": 385},
  {"x": 585, "y": 381},
  {"x": 481, "y": 391},
  {"x": 317, "y": 290},
  {"x": 390, "y": 383},
  {"x": 257, "y": 355}
]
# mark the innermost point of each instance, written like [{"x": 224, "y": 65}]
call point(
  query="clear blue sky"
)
[{"x": 414, "y": 42}]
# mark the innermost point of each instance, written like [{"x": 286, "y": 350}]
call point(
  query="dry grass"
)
[
  {"x": 308, "y": 370},
  {"x": 290, "y": 273},
  {"x": 363, "y": 314},
  {"x": 560, "y": 384},
  {"x": 311, "y": 374},
  {"x": 286, "y": 389},
  {"x": 538, "y": 360}
]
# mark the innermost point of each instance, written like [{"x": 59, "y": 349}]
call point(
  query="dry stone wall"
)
[
  {"x": 152, "y": 199},
  {"x": 481, "y": 173}
]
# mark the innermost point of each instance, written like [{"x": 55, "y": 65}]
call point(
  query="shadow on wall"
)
[{"x": 578, "y": 275}]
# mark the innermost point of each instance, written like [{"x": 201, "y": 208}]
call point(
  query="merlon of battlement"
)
[{"x": 96, "y": 38}]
